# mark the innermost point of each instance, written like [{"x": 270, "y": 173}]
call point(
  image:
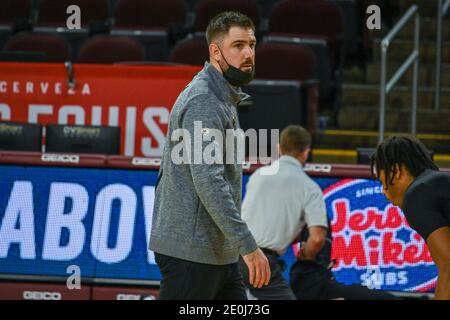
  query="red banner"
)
[{"x": 136, "y": 98}]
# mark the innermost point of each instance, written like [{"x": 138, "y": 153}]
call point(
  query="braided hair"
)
[{"x": 400, "y": 150}]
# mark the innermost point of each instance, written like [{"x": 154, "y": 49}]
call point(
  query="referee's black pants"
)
[
  {"x": 182, "y": 279},
  {"x": 312, "y": 281}
]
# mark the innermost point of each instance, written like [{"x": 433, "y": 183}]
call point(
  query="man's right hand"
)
[{"x": 258, "y": 268}]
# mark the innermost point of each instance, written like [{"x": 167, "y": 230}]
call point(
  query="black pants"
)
[
  {"x": 311, "y": 281},
  {"x": 278, "y": 288},
  {"x": 182, "y": 279}
]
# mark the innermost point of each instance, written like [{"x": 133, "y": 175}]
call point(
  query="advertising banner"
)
[
  {"x": 100, "y": 220},
  {"x": 136, "y": 98},
  {"x": 372, "y": 241},
  {"x": 96, "y": 219}
]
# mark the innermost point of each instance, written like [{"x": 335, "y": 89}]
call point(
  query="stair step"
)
[
  {"x": 339, "y": 146},
  {"x": 396, "y": 120},
  {"x": 399, "y": 97},
  {"x": 427, "y": 73},
  {"x": 401, "y": 49},
  {"x": 349, "y": 156},
  {"x": 352, "y": 139}
]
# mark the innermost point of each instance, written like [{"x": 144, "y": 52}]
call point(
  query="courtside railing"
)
[{"x": 413, "y": 58}]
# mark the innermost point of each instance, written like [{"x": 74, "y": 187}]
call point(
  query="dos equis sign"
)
[{"x": 372, "y": 241}]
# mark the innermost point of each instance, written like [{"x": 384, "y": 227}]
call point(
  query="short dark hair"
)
[
  {"x": 401, "y": 150},
  {"x": 220, "y": 25},
  {"x": 295, "y": 139}
]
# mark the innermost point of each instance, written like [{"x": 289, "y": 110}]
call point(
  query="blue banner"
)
[{"x": 100, "y": 220}]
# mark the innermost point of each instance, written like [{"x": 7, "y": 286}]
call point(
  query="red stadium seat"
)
[
  {"x": 110, "y": 49},
  {"x": 14, "y": 9},
  {"x": 284, "y": 62},
  {"x": 281, "y": 61},
  {"x": 192, "y": 50},
  {"x": 321, "y": 53},
  {"x": 317, "y": 19},
  {"x": 207, "y": 9},
  {"x": 144, "y": 14},
  {"x": 53, "y": 13},
  {"x": 13, "y": 13},
  {"x": 154, "y": 23},
  {"x": 55, "y": 48}
]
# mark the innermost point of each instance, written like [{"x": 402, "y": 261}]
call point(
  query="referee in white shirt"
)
[{"x": 276, "y": 208}]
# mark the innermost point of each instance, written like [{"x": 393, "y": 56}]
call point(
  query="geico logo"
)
[
  {"x": 145, "y": 162},
  {"x": 41, "y": 295},
  {"x": 121, "y": 296},
  {"x": 72, "y": 158},
  {"x": 318, "y": 167}
]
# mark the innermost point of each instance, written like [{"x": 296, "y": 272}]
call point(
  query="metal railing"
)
[
  {"x": 412, "y": 59},
  {"x": 441, "y": 12}
]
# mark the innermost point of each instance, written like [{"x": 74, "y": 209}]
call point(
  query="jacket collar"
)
[
  {"x": 291, "y": 160},
  {"x": 226, "y": 91}
]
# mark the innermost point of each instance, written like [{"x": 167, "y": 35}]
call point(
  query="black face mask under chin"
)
[{"x": 235, "y": 76}]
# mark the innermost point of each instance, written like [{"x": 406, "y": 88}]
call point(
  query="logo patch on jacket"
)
[{"x": 205, "y": 132}]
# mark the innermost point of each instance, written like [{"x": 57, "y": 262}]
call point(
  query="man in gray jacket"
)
[{"x": 197, "y": 231}]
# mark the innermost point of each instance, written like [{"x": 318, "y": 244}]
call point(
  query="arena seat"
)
[
  {"x": 110, "y": 49},
  {"x": 207, "y": 9},
  {"x": 52, "y": 19},
  {"x": 55, "y": 47},
  {"x": 156, "y": 24},
  {"x": 284, "y": 91},
  {"x": 306, "y": 18},
  {"x": 53, "y": 13},
  {"x": 319, "y": 48},
  {"x": 317, "y": 20},
  {"x": 283, "y": 61},
  {"x": 144, "y": 14},
  {"x": 193, "y": 51},
  {"x": 14, "y": 9},
  {"x": 12, "y": 12}
]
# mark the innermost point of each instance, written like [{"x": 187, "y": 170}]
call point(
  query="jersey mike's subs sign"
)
[
  {"x": 373, "y": 243},
  {"x": 138, "y": 99}
]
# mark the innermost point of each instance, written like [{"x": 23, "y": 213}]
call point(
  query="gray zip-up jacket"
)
[{"x": 196, "y": 213}]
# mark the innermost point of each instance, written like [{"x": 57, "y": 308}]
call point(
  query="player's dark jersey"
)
[{"x": 427, "y": 202}]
